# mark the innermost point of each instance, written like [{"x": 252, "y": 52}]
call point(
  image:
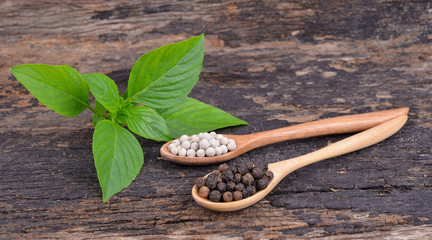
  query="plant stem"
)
[
  {"x": 91, "y": 108},
  {"x": 107, "y": 116}
]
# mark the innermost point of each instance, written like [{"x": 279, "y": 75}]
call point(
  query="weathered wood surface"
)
[{"x": 268, "y": 62}]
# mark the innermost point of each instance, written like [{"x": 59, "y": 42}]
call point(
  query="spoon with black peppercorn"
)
[
  {"x": 283, "y": 168},
  {"x": 245, "y": 143}
]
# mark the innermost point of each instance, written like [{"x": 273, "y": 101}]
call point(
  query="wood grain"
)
[{"x": 271, "y": 63}]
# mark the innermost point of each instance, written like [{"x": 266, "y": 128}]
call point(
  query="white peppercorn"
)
[
  {"x": 204, "y": 144},
  {"x": 182, "y": 152},
  {"x": 194, "y": 146},
  {"x": 224, "y": 149},
  {"x": 186, "y": 145},
  {"x": 224, "y": 140},
  {"x": 207, "y": 136},
  {"x": 210, "y": 152},
  {"x": 218, "y": 151},
  {"x": 174, "y": 150},
  {"x": 214, "y": 143},
  {"x": 219, "y": 136},
  {"x": 190, "y": 153},
  {"x": 184, "y": 138},
  {"x": 171, "y": 146},
  {"x": 176, "y": 142},
  {"x": 200, "y": 153},
  {"x": 195, "y": 138},
  {"x": 231, "y": 146}
]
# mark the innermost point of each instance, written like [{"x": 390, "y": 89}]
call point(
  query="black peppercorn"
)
[
  {"x": 231, "y": 186},
  {"x": 247, "y": 192},
  {"x": 221, "y": 186},
  {"x": 233, "y": 169},
  {"x": 212, "y": 175},
  {"x": 257, "y": 172},
  {"x": 249, "y": 165},
  {"x": 215, "y": 196},
  {"x": 223, "y": 167},
  {"x": 204, "y": 191},
  {"x": 237, "y": 177},
  {"x": 211, "y": 181},
  {"x": 227, "y": 197},
  {"x": 227, "y": 175},
  {"x": 234, "y": 182},
  {"x": 269, "y": 174},
  {"x": 218, "y": 178},
  {"x": 262, "y": 166},
  {"x": 237, "y": 195},
  {"x": 252, "y": 189},
  {"x": 242, "y": 169},
  {"x": 240, "y": 187},
  {"x": 247, "y": 179},
  {"x": 262, "y": 183},
  {"x": 199, "y": 182}
]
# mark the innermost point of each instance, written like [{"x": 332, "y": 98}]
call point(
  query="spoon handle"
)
[
  {"x": 336, "y": 125},
  {"x": 347, "y": 145}
]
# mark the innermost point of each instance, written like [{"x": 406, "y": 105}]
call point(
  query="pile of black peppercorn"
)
[{"x": 233, "y": 183}]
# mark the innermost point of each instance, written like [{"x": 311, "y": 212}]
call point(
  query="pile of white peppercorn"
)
[
  {"x": 233, "y": 183},
  {"x": 202, "y": 145}
]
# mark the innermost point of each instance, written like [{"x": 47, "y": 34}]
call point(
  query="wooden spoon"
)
[
  {"x": 337, "y": 125},
  {"x": 283, "y": 168}
]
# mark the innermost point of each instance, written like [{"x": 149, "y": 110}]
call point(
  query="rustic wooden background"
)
[{"x": 271, "y": 63}]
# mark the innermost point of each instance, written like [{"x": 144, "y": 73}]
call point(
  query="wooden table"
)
[{"x": 270, "y": 63}]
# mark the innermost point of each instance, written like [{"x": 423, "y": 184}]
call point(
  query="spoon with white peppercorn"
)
[
  {"x": 245, "y": 143},
  {"x": 283, "y": 168}
]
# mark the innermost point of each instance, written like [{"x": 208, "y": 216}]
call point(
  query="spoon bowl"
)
[
  {"x": 283, "y": 168},
  {"x": 337, "y": 125}
]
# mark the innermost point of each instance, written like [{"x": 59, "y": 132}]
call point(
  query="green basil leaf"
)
[
  {"x": 96, "y": 119},
  {"x": 192, "y": 116},
  {"x": 104, "y": 90},
  {"x": 147, "y": 123},
  {"x": 118, "y": 157},
  {"x": 165, "y": 75},
  {"x": 122, "y": 115},
  {"x": 60, "y": 88},
  {"x": 99, "y": 107},
  {"x": 124, "y": 95}
]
